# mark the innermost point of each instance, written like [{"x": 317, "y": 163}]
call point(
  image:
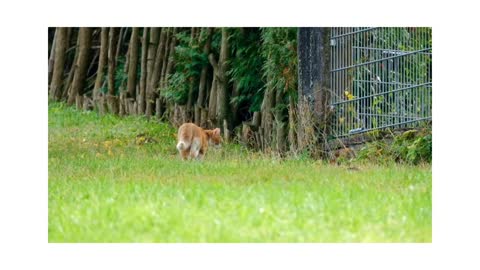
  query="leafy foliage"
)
[
  {"x": 177, "y": 88},
  {"x": 120, "y": 75},
  {"x": 412, "y": 147},
  {"x": 189, "y": 61},
  {"x": 246, "y": 65},
  {"x": 279, "y": 50}
]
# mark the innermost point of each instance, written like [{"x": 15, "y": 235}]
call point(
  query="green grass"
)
[{"x": 105, "y": 185}]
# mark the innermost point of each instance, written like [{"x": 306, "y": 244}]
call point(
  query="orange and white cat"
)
[{"x": 193, "y": 140}]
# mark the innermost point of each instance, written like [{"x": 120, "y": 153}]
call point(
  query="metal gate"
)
[{"x": 380, "y": 77}]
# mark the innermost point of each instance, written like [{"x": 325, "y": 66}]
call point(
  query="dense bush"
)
[{"x": 412, "y": 147}]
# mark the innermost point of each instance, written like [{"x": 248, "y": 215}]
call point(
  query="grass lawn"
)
[{"x": 117, "y": 179}]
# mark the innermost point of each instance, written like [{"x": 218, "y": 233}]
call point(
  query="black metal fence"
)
[{"x": 380, "y": 77}]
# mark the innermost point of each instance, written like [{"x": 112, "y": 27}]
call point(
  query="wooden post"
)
[
  {"x": 112, "y": 103},
  {"x": 130, "y": 104},
  {"x": 257, "y": 116},
  {"x": 183, "y": 114},
  {"x": 247, "y": 134},
  {"x": 203, "y": 117},
  {"x": 226, "y": 132},
  {"x": 158, "y": 108},
  {"x": 122, "y": 110},
  {"x": 103, "y": 104},
  {"x": 79, "y": 102},
  {"x": 136, "y": 108},
  {"x": 292, "y": 129},
  {"x": 314, "y": 78},
  {"x": 87, "y": 103},
  {"x": 197, "y": 115}
]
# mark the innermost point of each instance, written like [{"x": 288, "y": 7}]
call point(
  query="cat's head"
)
[{"x": 214, "y": 138}]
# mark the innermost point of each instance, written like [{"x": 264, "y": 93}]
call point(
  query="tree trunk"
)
[
  {"x": 101, "y": 62},
  {"x": 122, "y": 101},
  {"x": 191, "y": 80},
  {"x": 222, "y": 82},
  {"x": 158, "y": 108},
  {"x": 133, "y": 62},
  {"x": 58, "y": 69},
  {"x": 113, "y": 104},
  {"x": 82, "y": 63},
  {"x": 234, "y": 110},
  {"x": 212, "y": 104},
  {"x": 281, "y": 126},
  {"x": 268, "y": 104},
  {"x": 202, "y": 88},
  {"x": 196, "y": 113},
  {"x": 152, "y": 93},
  {"x": 203, "y": 117},
  {"x": 93, "y": 62},
  {"x": 256, "y": 119},
  {"x": 73, "y": 68},
  {"x": 51, "y": 59},
  {"x": 152, "y": 50},
  {"x": 166, "y": 56},
  {"x": 219, "y": 73},
  {"x": 79, "y": 102},
  {"x": 171, "y": 54},
  {"x": 292, "y": 129},
  {"x": 143, "y": 74},
  {"x": 112, "y": 61},
  {"x": 118, "y": 44},
  {"x": 158, "y": 62}
]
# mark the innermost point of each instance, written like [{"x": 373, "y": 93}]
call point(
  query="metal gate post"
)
[{"x": 314, "y": 75}]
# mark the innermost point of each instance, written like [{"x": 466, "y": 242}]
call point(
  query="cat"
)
[{"x": 193, "y": 140}]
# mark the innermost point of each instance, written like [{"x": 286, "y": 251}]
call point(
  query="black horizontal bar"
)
[
  {"x": 386, "y": 115},
  {"x": 354, "y": 32},
  {"x": 380, "y": 60},
  {"x": 387, "y": 126},
  {"x": 381, "y": 94}
]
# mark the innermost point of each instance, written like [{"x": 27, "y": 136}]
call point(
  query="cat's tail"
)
[{"x": 181, "y": 145}]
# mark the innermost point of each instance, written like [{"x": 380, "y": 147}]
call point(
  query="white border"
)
[{"x": 24, "y": 173}]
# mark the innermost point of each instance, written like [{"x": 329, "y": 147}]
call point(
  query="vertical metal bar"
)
[
  {"x": 365, "y": 52},
  {"x": 339, "y": 93},
  {"x": 332, "y": 97},
  {"x": 419, "y": 113},
  {"x": 386, "y": 120},
  {"x": 405, "y": 64},
  {"x": 337, "y": 31},
  {"x": 397, "y": 78},
  {"x": 429, "y": 57},
  {"x": 401, "y": 77},
  {"x": 340, "y": 58},
  {"x": 402, "y": 81},
  {"x": 429, "y": 76},
  {"x": 418, "y": 60},
  {"x": 416, "y": 63},
  {"x": 366, "y": 75},
  {"x": 363, "y": 102},
  {"x": 373, "y": 85}
]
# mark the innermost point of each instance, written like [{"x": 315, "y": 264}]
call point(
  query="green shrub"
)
[{"x": 412, "y": 147}]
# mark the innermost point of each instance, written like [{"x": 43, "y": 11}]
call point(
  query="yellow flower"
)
[{"x": 349, "y": 95}]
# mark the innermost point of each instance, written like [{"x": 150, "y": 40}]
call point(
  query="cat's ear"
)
[{"x": 216, "y": 132}]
